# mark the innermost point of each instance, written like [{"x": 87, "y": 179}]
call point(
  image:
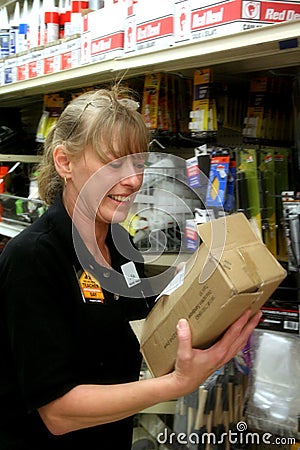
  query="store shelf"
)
[
  {"x": 256, "y": 49},
  {"x": 20, "y": 158},
  {"x": 11, "y": 229}
]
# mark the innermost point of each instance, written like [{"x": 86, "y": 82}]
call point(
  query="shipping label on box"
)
[
  {"x": 52, "y": 59},
  {"x": 151, "y": 27},
  {"x": 231, "y": 271}
]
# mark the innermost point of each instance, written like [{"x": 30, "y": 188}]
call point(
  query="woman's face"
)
[{"x": 107, "y": 191}]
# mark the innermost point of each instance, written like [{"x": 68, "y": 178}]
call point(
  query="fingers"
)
[
  {"x": 184, "y": 339},
  {"x": 238, "y": 334},
  {"x": 245, "y": 325}
]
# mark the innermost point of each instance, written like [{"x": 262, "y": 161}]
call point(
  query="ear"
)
[{"x": 62, "y": 161}]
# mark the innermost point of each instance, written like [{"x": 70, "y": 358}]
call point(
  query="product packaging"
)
[
  {"x": 273, "y": 393},
  {"x": 231, "y": 271},
  {"x": 102, "y": 38},
  {"x": 150, "y": 26},
  {"x": 197, "y": 21}
]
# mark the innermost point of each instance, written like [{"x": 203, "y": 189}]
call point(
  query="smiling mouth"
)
[{"x": 120, "y": 198}]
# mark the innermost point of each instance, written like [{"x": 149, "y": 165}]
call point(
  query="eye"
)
[
  {"x": 139, "y": 165},
  {"x": 115, "y": 164}
]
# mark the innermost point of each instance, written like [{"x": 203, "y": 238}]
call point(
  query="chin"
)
[{"x": 119, "y": 217}]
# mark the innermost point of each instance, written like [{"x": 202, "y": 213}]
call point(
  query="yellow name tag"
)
[{"x": 91, "y": 288}]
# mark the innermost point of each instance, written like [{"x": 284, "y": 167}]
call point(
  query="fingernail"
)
[{"x": 182, "y": 324}]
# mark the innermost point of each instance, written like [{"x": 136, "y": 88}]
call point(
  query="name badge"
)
[
  {"x": 91, "y": 288},
  {"x": 130, "y": 274}
]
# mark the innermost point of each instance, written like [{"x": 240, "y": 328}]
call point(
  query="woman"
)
[{"x": 70, "y": 362}]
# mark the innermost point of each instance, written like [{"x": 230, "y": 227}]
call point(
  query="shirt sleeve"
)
[{"x": 38, "y": 317}]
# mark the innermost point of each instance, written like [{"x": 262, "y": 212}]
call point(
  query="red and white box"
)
[
  {"x": 194, "y": 22},
  {"x": 70, "y": 53},
  {"x": 35, "y": 64},
  {"x": 150, "y": 27},
  {"x": 52, "y": 58},
  {"x": 22, "y": 65},
  {"x": 102, "y": 37}
]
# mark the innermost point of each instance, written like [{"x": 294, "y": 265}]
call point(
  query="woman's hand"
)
[
  {"x": 89, "y": 405},
  {"x": 193, "y": 366}
]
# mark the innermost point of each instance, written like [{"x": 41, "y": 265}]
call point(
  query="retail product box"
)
[
  {"x": 23, "y": 59},
  {"x": 103, "y": 38},
  {"x": 4, "y": 43},
  {"x": 2, "y": 72},
  {"x": 150, "y": 27},
  {"x": 231, "y": 271},
  {"x": 52, "y": 58},
  {"x": 195, "y": 21},
  {"x": 70, "y": 53},
  {"x": 10, "y": 70},
  {"x": 35, "y": 63}
]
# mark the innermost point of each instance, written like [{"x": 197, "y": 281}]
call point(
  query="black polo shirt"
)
[{"x": 52, "y": 338}]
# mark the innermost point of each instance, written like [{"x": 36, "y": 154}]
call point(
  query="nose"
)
[
  {"x": 132, "y": 175},
  {"x": 134, "y": 181}
]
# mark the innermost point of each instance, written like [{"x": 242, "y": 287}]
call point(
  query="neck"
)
[{"x": 92, "y": 232}]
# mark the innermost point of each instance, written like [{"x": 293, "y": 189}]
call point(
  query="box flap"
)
[{"x": 233, "y": 230}]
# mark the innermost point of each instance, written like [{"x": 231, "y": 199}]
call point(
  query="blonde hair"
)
[{"x": 107, "y": 120}]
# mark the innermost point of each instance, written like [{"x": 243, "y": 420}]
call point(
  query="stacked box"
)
[
  {"x": 196, "y": 21},
  {"x": 35, "y": 64},
  {"x": 70, "y": 53},
  {"x": 150, "y": 27},
  {"x": 51, "y": 58},
  {"x": 23, "y": 59},
  {"x": 10, "y": 70},
  {"x": 102, "y": 37}
]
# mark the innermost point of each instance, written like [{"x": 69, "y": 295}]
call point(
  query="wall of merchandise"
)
[{"x": 220, "y": 144}]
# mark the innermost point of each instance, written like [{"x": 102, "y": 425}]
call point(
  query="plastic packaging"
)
[{"x": 273, "y": 397}]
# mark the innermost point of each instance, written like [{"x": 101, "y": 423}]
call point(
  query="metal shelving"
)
[
  {"x": 270, "y": 46},
  {"x": 11, "y": 229}
]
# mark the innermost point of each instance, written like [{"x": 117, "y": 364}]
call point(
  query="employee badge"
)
[
  {"x": 130, "y": 274},
  {"x": 91, "y": 288}
]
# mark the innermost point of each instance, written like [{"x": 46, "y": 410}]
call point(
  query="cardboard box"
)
[
  {"x": 70, "y": 53},
  {"x": 35, "y": 65},
  {"x": 10, "y": 69},
  {"x": 195, "y": 21},
  {"x": 231, "y": 271},
  {"x": 150, "y": 27},
  {"x": 102, "y": 38},
  {"x": 52, "y": 58}
]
